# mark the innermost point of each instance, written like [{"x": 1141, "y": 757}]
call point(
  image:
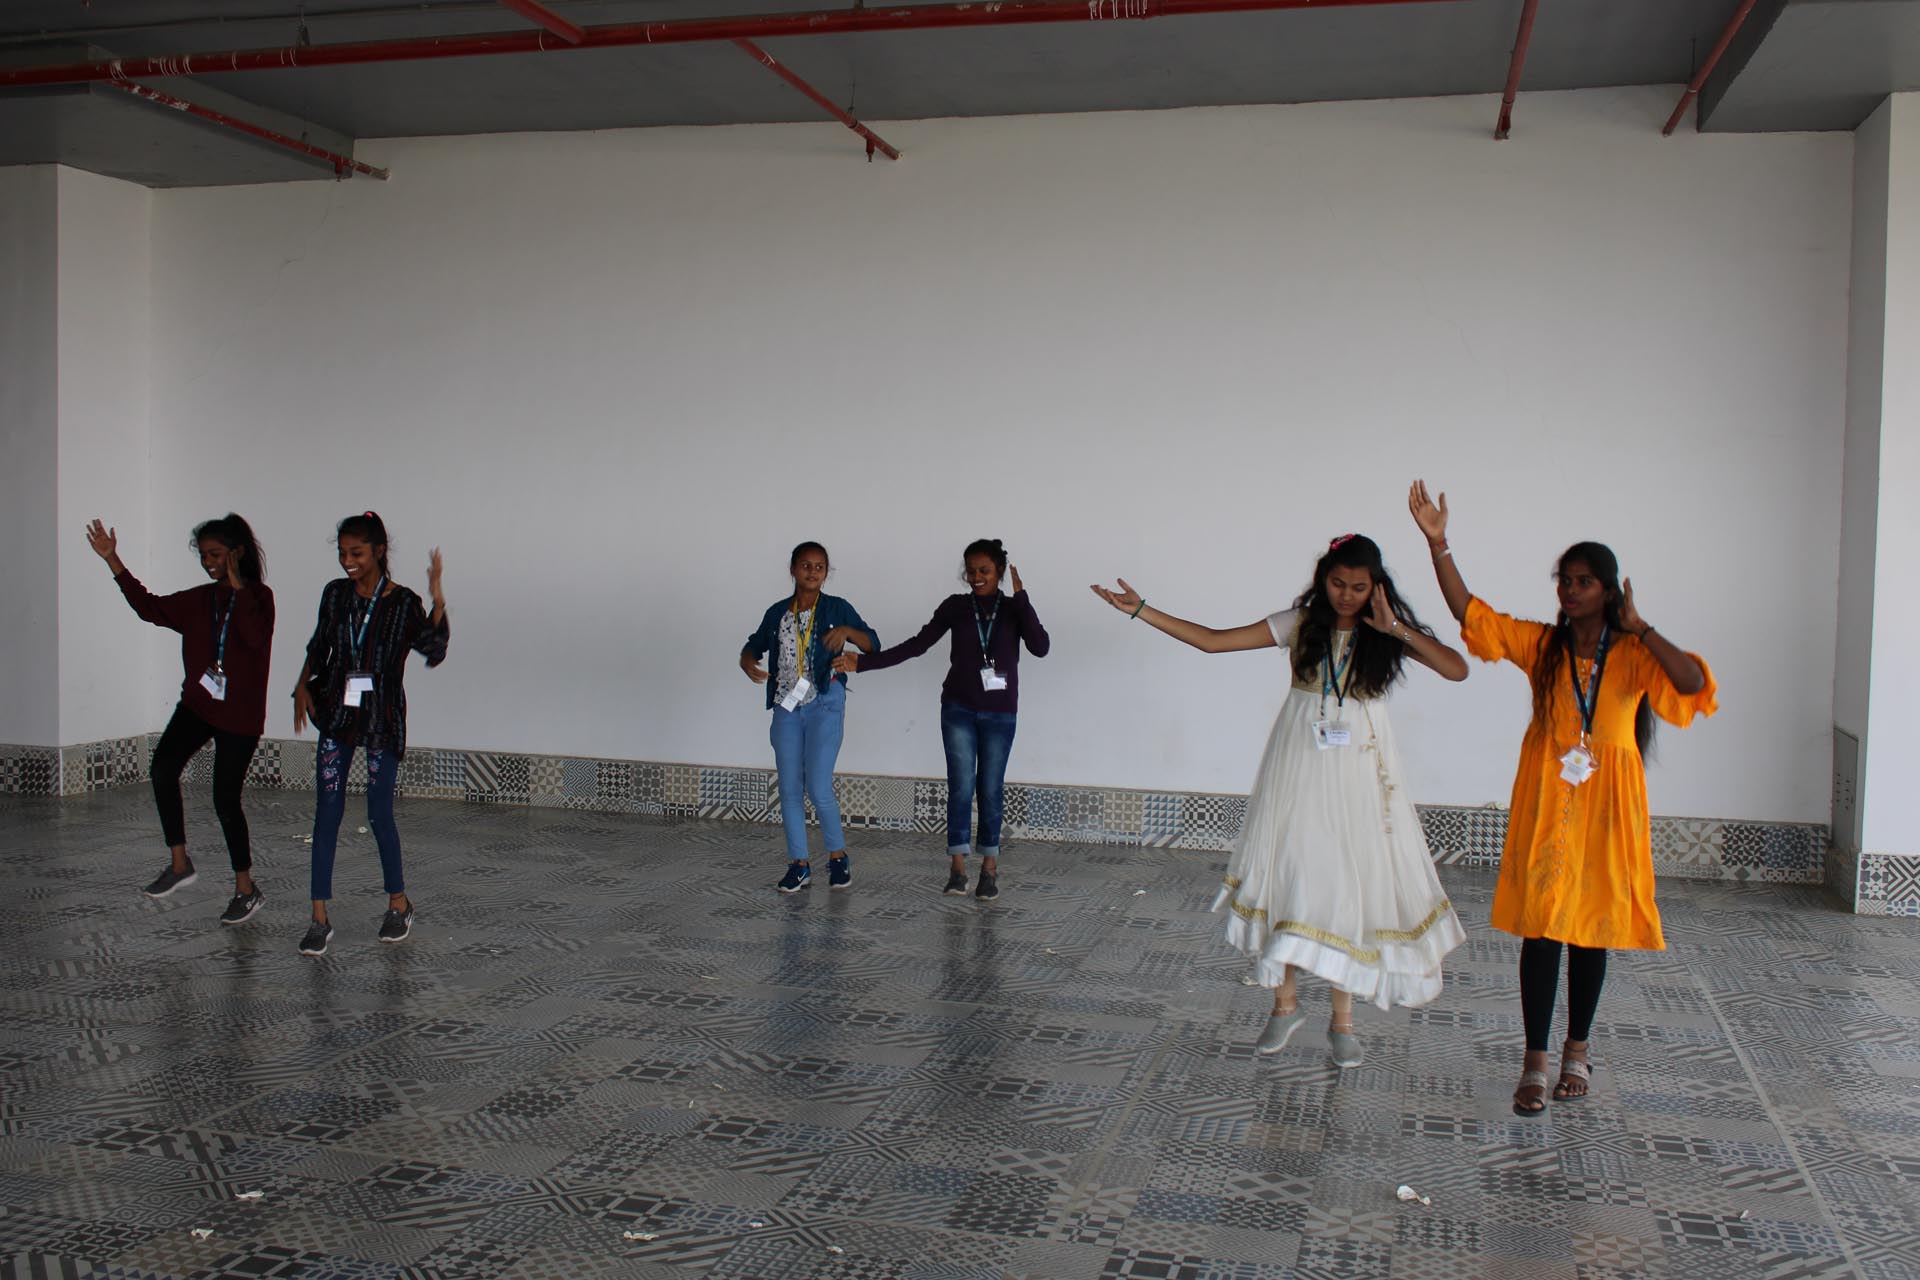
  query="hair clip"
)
[{"x": 1341, "y": 541}]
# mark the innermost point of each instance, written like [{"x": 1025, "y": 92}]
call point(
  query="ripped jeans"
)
[{"x": 332, "y": 761}]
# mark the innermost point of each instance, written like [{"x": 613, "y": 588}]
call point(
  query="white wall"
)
[
  {"x": 1860, "y": 486},
  {"x": 103, "y": 321},
  {"x": 29, "y": 430},
  {"x": 617, "y": 375}
]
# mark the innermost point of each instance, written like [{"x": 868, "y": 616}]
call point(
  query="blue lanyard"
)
[
  {"x": 1330, "y": 674},
  {"x": 360, "y": 636},
  {"x": 220, "y": 637},
  {"x": 986, "y": 633},
  {"x": 1588, "y": 701}
]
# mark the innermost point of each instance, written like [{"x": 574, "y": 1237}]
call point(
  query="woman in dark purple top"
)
[{"x": 978, "y": 699}]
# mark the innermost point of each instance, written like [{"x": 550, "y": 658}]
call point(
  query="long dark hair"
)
[
  {"x": 1548, "y": 683},
  {"x": 1378, "y": 658},
  {"x": 236, "y": 535},
  {"x": 370, "y": 529}
]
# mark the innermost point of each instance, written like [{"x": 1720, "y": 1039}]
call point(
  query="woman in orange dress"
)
[{"x": 1577, "y": 868}]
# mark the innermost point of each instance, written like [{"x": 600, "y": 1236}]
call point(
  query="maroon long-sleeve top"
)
[
  {"x": 965, "y": 617},
  {"x": 196, "y": 613}
]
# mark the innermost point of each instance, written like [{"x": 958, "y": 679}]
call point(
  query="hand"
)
[
  {"x": 1126, "y": 599},
  {"x": 1630, "y": 620},
  {"x": 234, "y": 579},
  {"x": 1383, "y": 618},
  {"x": 1014, "y": 570},
  {"x": 847, "y": 663},
  {"x": 751, "y": 665},
  {"x": 1429, "y": 515},
  {"x": 434, "y": 565},
  {"x": 838, "y": 638},
  {"x": 104, "y": 541},
  {"x": 302, "y": 706}
]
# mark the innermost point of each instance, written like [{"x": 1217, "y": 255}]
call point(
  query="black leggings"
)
[
  {"x": 1539, "y": 978},
  {"x": 232, "y": 753}
]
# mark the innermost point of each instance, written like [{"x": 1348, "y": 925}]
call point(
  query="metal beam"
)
[
  {"x": 1521, "y": 39},
  {"x": 765, "y": 59},
  {"x": 538, "y": 14},
  {"x": 1706, "y": 68},
  {"x": 343, "y": 166}
]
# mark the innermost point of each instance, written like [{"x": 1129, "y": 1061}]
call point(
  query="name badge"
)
[
  {"x": 359, "y": 684},
  {"x": 214, "y": 681},
  {"x": 991, "y": 680},
  {"x": 798, "y": 694},
  {"x": 1577, "y": 765},
  {"x": 1330, "y": 734}
]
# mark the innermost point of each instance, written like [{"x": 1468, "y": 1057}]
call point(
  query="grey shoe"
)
[
  {"x": 1346, "y": 1048},
  {"x": 1279, "y": 1030}
]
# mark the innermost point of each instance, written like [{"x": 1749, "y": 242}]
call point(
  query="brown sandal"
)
[
  {"x": 1530, "y": 1099},
  {"x": 1572, "y": 1071}
]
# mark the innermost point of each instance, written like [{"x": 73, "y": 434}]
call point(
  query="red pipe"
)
[
  {"x": 1505, "y": 125},
  {"x": 874, "y": 140},
  {"x": 993, "y": 13},
  {"x": 343, "y": 166},
  {"x": 535, "y": 12},
  {"x": 1706, "y": 68}
]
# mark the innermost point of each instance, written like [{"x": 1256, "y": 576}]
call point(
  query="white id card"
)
[
  {"x": 1577, "y": 765},
  {"x": 992, "y": 680},
  {"x": 214, "y": 682},
  {"x": 359, "y": 684},
  {"x": 793, "y": 699},
  {"x": 1329, "y": 734}
]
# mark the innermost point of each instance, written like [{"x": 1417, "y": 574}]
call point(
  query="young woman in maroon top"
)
[{"x": 226, "y": 640}]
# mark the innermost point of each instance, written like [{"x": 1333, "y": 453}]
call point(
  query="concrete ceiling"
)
[{"x": 1799, "y": 64}]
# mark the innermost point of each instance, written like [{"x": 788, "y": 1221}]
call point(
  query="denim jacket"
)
[{"x": 833, "y": 612}]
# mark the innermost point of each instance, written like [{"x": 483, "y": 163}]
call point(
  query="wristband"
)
[{"x": 1142, "y": 605}]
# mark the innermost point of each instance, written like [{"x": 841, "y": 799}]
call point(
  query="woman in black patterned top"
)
[{"x": 351, "y": 688}]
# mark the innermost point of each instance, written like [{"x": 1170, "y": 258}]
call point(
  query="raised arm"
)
[
  {"x": 1687, "y": 677},
  {"x": 161, "y": 611},
  {"x": 1255, "y": 635},
  {"x": 1431, "y": 516},
  {"x": 1443, "y": 658}
]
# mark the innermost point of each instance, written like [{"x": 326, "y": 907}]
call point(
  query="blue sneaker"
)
[
  {"x": 799, "y": 876},
  {"x": 839, "y": 872}
]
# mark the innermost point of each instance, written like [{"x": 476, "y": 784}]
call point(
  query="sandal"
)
[
  {"x": 1575, "y": 1074},
  {"x": 1530, "y": 1099}
]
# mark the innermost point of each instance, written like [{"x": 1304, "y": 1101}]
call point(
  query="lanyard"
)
[
  {"x": 1589, "y": 701},
  {"x": 360, "y": 636},
  {"x": 1330, "y": 681},
  {"x": 803, "y": 645},
  {"x": 220, "y": 635},
  {"x": 986, "y": 633}
]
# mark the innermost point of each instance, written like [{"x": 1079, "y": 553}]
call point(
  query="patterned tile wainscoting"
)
[{"x": 1694, "y": 848}]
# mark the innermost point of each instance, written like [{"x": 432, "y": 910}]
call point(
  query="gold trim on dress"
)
[{"x": 1364, "y": 955}]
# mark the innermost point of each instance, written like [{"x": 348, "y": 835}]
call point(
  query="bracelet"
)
[
  {"x": 1136, "y": 612},
  {"x": 1442, "y": 554},
  {"x": 1644, "y": 633}
]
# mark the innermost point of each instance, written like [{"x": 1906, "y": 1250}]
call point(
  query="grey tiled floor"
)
[{"x": 607, "y": 1025}]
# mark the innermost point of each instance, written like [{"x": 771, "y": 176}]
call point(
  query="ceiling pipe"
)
[
  {"x": 343, "y": 166},
  {"x": 874, "y": 141},
  {"x": 1505, "y": 125},
  {"x": 538, "y": 14},
  {"x": 1706, "y": 68},
  {"x": 998, "y": 13}
]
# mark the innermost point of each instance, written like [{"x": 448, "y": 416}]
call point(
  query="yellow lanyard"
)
[{"x": 804, "y": 648}]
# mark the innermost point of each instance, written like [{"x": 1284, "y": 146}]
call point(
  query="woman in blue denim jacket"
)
[{"x": 799, "y": 636}]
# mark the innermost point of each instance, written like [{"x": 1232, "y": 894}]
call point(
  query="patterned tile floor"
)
[{"x": 607, "y": 1025}]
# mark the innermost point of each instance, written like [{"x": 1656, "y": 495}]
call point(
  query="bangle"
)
[
  {"x": 1442, "y": 553},
  {"x": 1644, "y": 633},
  {"x": 1136, "y": 612}
]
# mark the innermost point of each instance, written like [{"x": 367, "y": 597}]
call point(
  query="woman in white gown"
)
[{"x": 1331, "y": 872}]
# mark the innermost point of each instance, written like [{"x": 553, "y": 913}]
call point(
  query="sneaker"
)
[
  {"x": 799, "y": 876},
  {"x": 839, "y": 872},
  {"x": 1279, "y": 1029},
  {"x": 315, "y": 943},
  {"x": 397, "y": 924},
  {"x": 169, "y": 880},
  {"x": 957, "y": 884},
  {"x": 1345, "y": 1048},
  {"x": 241, "y": 909},
  {"x": 989, "y": 887}
]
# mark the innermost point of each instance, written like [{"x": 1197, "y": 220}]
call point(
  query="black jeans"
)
[{"x": 232, "y": 753}]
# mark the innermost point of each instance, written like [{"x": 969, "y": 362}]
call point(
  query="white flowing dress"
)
[{"x": 1331, "y": 871}]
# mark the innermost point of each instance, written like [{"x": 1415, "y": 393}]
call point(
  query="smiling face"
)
[
  {"x": 214, "y": 557},
  {"x": 360, "y": 560},
  {"x": 1582, "y": 594},
  {"x": 982, "y": 575},
  {"x": 1347, "y": 590}
]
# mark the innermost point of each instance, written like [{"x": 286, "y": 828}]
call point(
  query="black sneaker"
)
[
  {"x": 315, "y": 943},
  {"x": 241, "y": 909},
  {"x": 397, "y": 924},
  {"x": 839, "y": 872},
  {"x": 799, "y": 876},
  {"x": 989, "y": 887},
  {"x": 169, "y": 880},
  {"x": 957, "y": 884}
]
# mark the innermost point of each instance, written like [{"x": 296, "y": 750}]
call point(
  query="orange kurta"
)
[{"x": 1578, "y": 862}]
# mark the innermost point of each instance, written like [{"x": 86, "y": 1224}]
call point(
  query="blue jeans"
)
[
  {"x": 978, "y": 743},
  {"x": 332, "y": 761},
  {"x": 806, "y": 742}
]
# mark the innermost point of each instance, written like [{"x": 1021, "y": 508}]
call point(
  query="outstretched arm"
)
[
  {"x": 1255, "y": 635},
  {"x": 1431, "y": 516},
  {"x": 1425, "y": 649}
]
